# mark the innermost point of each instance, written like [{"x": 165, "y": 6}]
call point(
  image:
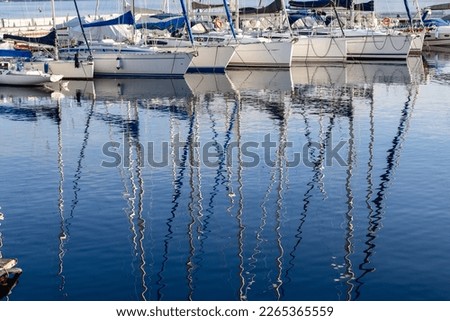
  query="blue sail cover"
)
[
  {"x": 13, "y": 53},
  {"x": 165, "y": 21},
  {"x": 125, "y": 19},
  {"x": 310, "y": 4},
  {"x": 274, "y": 7},
  {"x": 49, "y": 39}
]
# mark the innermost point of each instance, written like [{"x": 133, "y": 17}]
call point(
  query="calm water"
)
[{"x": 190, "y": 189}]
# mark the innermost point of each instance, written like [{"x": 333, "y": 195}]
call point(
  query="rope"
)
[
  {"x": 375, "y": 43},
  {"x": 404, "y": 43}
]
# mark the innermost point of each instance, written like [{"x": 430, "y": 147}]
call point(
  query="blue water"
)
[{"x": 229, "y": 215}]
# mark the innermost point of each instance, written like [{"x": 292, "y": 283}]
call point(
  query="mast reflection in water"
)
[{"x": 315, "y": 183}]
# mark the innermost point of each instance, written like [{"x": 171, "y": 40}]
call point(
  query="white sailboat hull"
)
[
  {"x": 417, "y": 44},
  {"x": 163, "y": 64},
  {"x": 26, "y": 78},
  {"x": 319, "y": 49},
  {"x": 67, "y": 68},
  {"x": 378, "y": 46},
  {"x": 211, "y": 58},
  {"x": 118, "y": 60},
  {"x": 276, "y": 54},
  {"x": 438, "y": 37}
]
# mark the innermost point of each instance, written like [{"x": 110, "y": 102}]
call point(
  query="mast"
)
[
  {"x": 82, "y": 29},
  {"x": 230, "y": 19},
  {"x": 408, "y": 12},
  {"x": 187, "y": 20},
  {"x": 54, "y": 28},
  {"x": 133, "y": 30},
  {"x": 352, "y": 14}
]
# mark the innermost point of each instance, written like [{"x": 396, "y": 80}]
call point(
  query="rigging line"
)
[
  {"x": 190, "y": 232},
  {"x": 282, "y": 173},
  {"x": 193, "y": 164},
  {"x": 224, "y": 160},
  {"x": 241, "y": 226},
  {"x": 175, "y": 196},
  {"x": 349, "y": 247},
  {"x": 141, "y": 223},
  {"x": 65, "y": 231},
  {"x": 131, "y": 197},
  {"x": 315, "y": 179},
  {"x": 393, "y": 154},
  {"x": 63, "y": 234},
  {"x": 205, "y": 218},
  {"x": 375, "y": 216},
  {"x": 373, "y": 225},
  {"x": 78, "y": 171},
  {"x": 259, "y": 238}
]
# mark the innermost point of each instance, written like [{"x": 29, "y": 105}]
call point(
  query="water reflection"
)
[
  {"x": 9, "y": 277},
  {"x": 194, "y": 227}
]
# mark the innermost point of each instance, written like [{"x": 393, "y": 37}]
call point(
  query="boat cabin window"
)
[{"x": 4, "y": 65}]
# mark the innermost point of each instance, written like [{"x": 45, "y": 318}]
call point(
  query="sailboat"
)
[
  {"x": 252, "y": 51},
  {"x": 363, "y": 43},
  {"x": 70, "y": 68},
  {"x": 211, "y": 56},
  {"x": 12, "y": 75},
  {"x": 119, "y": 59},
  {"x": 437, "y": 29},
  {"x": 306, "y": 47}
]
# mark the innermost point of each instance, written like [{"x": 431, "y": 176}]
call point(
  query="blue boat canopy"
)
[
  {"x": 164, "y": 21},
  {"x": 125, "y": 19}
]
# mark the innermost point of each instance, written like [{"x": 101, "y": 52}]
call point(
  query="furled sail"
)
[
  {"x": 310, "y": 4},
  {"x": 203, "y": 6},
  {"x": 125, "y": 19},
  {"x": 164, "y": 21},
  {"x": 49, "y": 39},
  {"x": 274, "y": 7},
  {"x": 443, "y": 6}
]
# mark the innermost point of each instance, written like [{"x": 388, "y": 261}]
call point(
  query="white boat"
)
[
  {"x": 70, "y": 69},
  {"x": 115, "y": 59},
  {"x": 319, "y": 49},
  {"x": 14, "y": 77},
  {"x": 437, "y": 32},
  {"x": 418, "y": 40},
  {"x": 158, "y": 31},
  {"x": 250, "y": 51},
  {"x": 209, "y": 57},
  {"x": 262, "y": 54},
  {"x": 367, "y": 44}
]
